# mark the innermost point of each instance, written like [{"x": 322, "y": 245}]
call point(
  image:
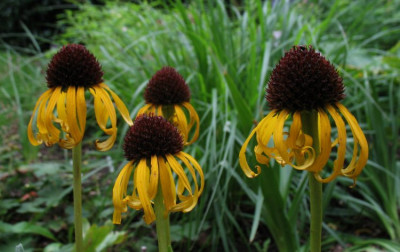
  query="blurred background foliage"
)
[{"x": 226, "y": 51}]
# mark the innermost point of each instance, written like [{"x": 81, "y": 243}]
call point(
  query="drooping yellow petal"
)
[
  {"x": 143, "y": 188},
  {"x": 282, "y": 148},
  {"x": 294, "y": 131},
  {"x": 341, "y": 150},
  {"x": 133, "y": 200},
  {"x": 143, "y": 110},
  {"x": 167, "y": 184},
  {"x": 109, "y": 109},
  {"x": 189, "y": 202},
  {"x": 99, "y": 107},
  {"x": 53, "y": 132},
  {"x": 154, "y": 177},
  {"x": 194, "y": 119},
  {"x": 300, "y": 144},
  {"x": 279, "y": 142},
  {"x": 119, "y": 191},
  {"x": 43, "y": 134},
  {"x": 119, "y": 104},
  {"x": 355, "y": 167},
  {"x": 182, "y": 122},
  {"x": 42, "y": 100},
  {"x": 182, "y": 157},
  {"x": 72, "y": 119},
  {"x": 242, "y": 157},
  {"x": 324, "y": 142},
  {"x": 61, "y": 112},
  {"x": 177, "y": 168},
  {"x": 81, "y": 109},
  {"x": 159, "y": 110},
  {"x": 263, "y": 136},
  {"x": 62, "y": 119},
  {"x": 260, "y": 157},
  {"x": 197, "y": 167}
]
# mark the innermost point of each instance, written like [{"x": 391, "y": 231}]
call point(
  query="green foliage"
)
[
  {"x": 226, "y": 53},
  {"x": 28, "y": 25}
]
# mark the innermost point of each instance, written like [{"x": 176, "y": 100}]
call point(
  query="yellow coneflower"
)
[
  {"x": 153, "y": 147},
  {"x": 167, "y": 94},
  {"x": 71, "y": 72},
  {"x": 305, "y": 81}
]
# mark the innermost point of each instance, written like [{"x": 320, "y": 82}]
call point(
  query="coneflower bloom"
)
[
  {"x": 61, "y": 110},
  {"x": 168, "y": 95},
  {"x": 305, "y": 81},
  {"x": 153, "y": 147}
]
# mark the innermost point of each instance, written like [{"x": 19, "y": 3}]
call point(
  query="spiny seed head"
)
[
  {"x": 73, "y": 65},
  {"x": 151, "y": 135},
  {"x": 167, "y": 87},
  {"x": 304, "y": 80}
]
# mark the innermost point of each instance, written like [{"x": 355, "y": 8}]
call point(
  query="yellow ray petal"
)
[
  {"x": 324, "y": 142},
  {"x": 109, "y": 109},
  {"x": 81, "y": 108},
  {"x": 119, "y": 190},
  {"x": 186, "y": 205},
  {"x": 182, "y": 122},
  {"x": 143, "y": 110},
  {"x": 167, "y": 184},
  {"x": 341, "y": 152},
  {"x": 258, "y": 151},
  {"x": 72, "y": 119},
  {"x": 197, "y": 167},
  {"x": 99, "y": 107},
  {"x": 119, "y": 104},
  {"x": 294, "y": 131},
  {"x": 154, "y": 177},
  {"x": 159, "y": 109},
  {"x": 279, "y": 142},
  {"x": 53, "y": 132},
  {"x": 143, "y": 188},
  {"x": 42, "y": 99},
  {"x": 134, "y": 201},
  {"x": 189, "y": 202},
  {"x": 194, "y": 119},
  {"x": 43, "y": 134},
  {"x": 359, "y": 137},
  {"x": 61, "y": 113},
  {"x": 68, "y": 142},
  {"x": 180, "y": 189},
  {"x": 282, "y": 148},
  {"x": 177, "y": 168},
  {"x": 263, "y": 135},
  {"x": 242, "y": 157}
]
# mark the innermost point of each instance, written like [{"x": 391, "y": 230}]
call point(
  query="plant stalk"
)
[
  {"x": 77, "y": 163},
  {"x": 162, "y": 223},
  {"x": 310, "y": 127}
]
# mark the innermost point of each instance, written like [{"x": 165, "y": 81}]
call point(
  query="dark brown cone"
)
[
  {"x": 73, "y": 65},
  {"x": 304, "y": 80},
  {"x": 151, "y": 135},
  {"x": 167, "y": 87}
]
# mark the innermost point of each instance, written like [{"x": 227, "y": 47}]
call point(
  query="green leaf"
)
[
  {"x": 257, "y": 215},
  {"x": 26, "y": 227},
  {"x": 97, "y": 239}
]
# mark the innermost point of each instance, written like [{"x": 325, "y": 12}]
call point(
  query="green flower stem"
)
[
  {"x": 316, "y": 213},
  {"x": 310, "y": 127},
  {"x": 77, "y": 162},
  {"x": 162, "y": 223}
]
